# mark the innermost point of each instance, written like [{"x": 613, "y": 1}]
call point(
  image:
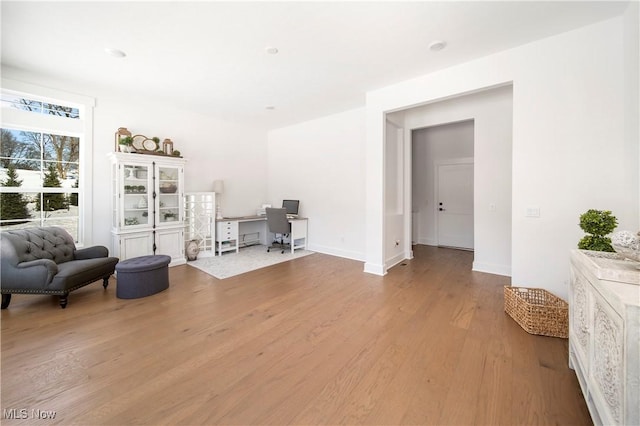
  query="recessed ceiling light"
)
[
  {"x": 114, "y": 52},
  {"x": 270, "y": 107},
  {"x": 271, "y": 50},
  {"x": 437, "y": 45}
]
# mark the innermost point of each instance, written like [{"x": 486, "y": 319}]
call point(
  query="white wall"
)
[
  {"x": 632, "y": 95},
  {"x": 569, "y": 149},
  {"x": 492, "y": 115},
  {"x": 568, "y": 142},
  {"x": 214, "y": 149},
  {"x": 432, "y": 145},
  {"x": 321, "y": 163}
]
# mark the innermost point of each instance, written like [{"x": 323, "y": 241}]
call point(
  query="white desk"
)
[{"x": 230, "y": 229}]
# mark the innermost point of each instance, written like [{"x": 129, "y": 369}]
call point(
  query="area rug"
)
[{"x": 249, "y": 259}]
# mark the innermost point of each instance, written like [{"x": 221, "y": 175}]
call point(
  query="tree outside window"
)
[
  {"x": 13, "y": 205},
  {"x": 39, "y": 173}
]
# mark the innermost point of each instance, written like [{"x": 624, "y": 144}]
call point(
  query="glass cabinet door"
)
[
  {"x": 137, "y": 195},
  {"x": 169, "y": 202}
]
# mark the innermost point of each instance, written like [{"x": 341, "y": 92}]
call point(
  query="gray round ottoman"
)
[{"x": 142, "y": 276}]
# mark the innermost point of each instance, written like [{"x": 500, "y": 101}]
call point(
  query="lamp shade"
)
[{"x": 218, "y": 186}]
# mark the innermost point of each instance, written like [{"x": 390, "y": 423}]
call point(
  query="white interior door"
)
[{"x": 454, "y": 201}]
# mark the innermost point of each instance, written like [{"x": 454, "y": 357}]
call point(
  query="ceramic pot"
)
[{"x": 192, "y": 249}]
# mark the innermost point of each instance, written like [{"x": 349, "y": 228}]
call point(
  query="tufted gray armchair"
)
[{"x": 46, "y": 261}]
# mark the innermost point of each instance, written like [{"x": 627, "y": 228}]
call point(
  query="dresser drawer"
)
[{"x": 226, "y": 231}]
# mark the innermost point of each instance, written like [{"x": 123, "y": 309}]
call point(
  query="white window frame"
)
[{"x": 81, "y": 127}]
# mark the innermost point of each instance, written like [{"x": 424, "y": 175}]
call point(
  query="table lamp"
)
[{"x": 218, "y": 188}]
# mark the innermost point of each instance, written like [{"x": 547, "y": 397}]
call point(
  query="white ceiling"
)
[{"x": 210, "y": 56}]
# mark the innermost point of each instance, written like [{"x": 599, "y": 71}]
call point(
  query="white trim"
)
[
  {"x": 86, "y": 171},
  {"x": 393, "y": 261},
  {"x": 26, "y": 120},
  {"x": 375, "y": 269},
  {"x": 407, "y": 189},
  {"x": 427, "y": 241},
  {"x": 47, "y": 93},
  {"x": 491, "y": 268},
  {"x": 348, "y": 254}
]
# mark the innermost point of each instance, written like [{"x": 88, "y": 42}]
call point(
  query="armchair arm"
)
[
  {"x": 34, "y": 273},
  {"x": 91, "y": 253}
]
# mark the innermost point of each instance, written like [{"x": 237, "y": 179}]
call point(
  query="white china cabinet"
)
[{"x": 147, "y": 207}]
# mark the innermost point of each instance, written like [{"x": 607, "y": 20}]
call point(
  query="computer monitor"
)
[{"x": 291, "y": 206}]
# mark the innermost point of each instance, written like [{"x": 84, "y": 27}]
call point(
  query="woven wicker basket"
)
[{"x": 537, "y": 311}]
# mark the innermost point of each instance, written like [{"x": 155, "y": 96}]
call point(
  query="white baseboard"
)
[
  {"x": 376, "y": 269},
  {"x": 393, "y": 261},
  {"x": 371, "y": 268},
  {"x": 492, "y": 268},
  {"x": 427, "y": 241},
  {"x": 348, "y": 254}
]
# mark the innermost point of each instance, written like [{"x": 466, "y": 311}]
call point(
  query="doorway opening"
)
[
  {"x": 484, "y": 121},
  {"x": 443, "y": 185}
]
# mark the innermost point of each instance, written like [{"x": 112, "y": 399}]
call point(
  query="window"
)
[
  {"x": 43, "y": 151},
  {"x": 39, "y": 107}
]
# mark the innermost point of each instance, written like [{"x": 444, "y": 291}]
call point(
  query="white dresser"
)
[
  {"x": 604, "y": 335},
  {"x": 227, "y": 237}
]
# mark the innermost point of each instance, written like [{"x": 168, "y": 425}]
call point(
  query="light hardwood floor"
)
[{"x": 311, "y": 341}]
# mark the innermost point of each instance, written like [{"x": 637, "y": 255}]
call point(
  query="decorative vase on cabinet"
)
[{"x": 147, "y": 208}]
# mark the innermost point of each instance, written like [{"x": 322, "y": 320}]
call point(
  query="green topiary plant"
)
[
  {"x": 126, "y": 144},
  {"x": 597, "y": 223}
]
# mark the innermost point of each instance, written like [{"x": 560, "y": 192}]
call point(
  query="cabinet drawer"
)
[{"x": 226, "y": 231}]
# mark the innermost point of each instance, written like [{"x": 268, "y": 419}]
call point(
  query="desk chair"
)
[{"x": 278, "y": 225}]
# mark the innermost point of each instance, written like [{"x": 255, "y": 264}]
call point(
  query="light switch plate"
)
[{"x": 532, "y": 212}]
